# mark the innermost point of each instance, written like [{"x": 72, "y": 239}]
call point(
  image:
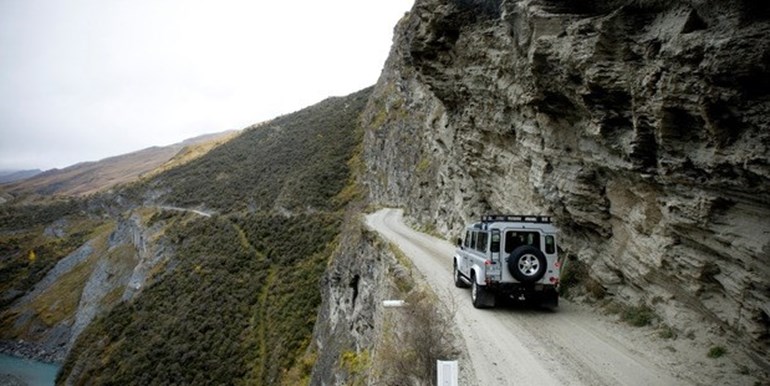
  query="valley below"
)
[{"x": 15, "y": 371}]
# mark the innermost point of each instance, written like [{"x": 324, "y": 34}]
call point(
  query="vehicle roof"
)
[{"x": 532, "y": 222}]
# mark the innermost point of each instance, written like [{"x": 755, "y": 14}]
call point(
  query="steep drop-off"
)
[
  {"x": 641, "y": 125},
  {"x": 252, "y": 226},
  {"x": 207, "y": 272}
]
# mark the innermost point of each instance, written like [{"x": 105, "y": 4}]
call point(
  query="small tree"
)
[{"x": 418, "y": 335}]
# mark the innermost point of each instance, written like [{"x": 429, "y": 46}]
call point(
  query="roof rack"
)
[{"x": 487, "y": 218}]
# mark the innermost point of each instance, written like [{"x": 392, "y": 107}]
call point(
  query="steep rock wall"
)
[
  {"x": 641, "y": 125},
  {"x": 349, "y": 320}
]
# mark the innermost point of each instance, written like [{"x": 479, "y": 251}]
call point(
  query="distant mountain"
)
[
  {"x": 89, "y": 177},
  {"x": 7, "y": 176}
]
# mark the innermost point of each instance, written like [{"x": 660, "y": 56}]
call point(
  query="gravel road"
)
[{"x": 514, "y": 345}]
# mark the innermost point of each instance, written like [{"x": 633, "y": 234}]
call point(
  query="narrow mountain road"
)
[
  {"x": 178, "y": 209},
  {"x": 524, "y": 346}
]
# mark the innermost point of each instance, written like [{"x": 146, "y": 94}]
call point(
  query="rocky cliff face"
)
[
  {"x": 349, "y": 317},
  {"x": 112, "y": 266},
  {"x": 641, "y": 125}
]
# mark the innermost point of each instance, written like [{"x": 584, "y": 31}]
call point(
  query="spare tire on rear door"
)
[{"x": 527, "y": 264}]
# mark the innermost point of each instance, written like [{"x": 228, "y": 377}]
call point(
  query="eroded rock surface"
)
[{"x": 641, "y": 125}]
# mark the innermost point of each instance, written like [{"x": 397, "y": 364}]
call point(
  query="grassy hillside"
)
[
  {"x": 295, "y": 162},
  {"x": 238, "y": 301},
  {"x": 90, "y": 177}
]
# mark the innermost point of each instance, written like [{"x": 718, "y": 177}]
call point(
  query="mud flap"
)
[
  {"x": 550, "y": 299},
  {"x": 481, "y": 297}
]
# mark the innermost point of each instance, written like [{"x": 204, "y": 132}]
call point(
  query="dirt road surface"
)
[{"x": 515, "y": 345}]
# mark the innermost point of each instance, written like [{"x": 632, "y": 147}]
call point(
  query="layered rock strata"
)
[{"x": 641, "y": 125}]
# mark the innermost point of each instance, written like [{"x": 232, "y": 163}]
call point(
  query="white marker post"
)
[
  {"x": 393, "y": 303},
  {"x": 446, "y": 373}
]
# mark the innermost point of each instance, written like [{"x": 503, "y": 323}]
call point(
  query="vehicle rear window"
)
[
  {"x": 515, "y": 239},
  {"x": 495, "y": 245},
  {"x": 550, "y": 244}
]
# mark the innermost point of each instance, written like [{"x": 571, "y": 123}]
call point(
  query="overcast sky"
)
[{"x": 81, "y": 80}]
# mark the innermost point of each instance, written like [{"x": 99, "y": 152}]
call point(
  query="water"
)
[{"x": 32, "y": 372}]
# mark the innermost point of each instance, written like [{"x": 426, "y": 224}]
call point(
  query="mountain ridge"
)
[
  {"x": 89, "y": 177},
  {"x": 7, "y": 176}
]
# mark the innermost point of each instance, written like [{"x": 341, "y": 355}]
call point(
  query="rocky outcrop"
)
[
  {"x": 351, "y": 290},
  {"x": 641, "y": 125},
  {"x": 360, "y": 276},
  {"x": 112, "y": 267},
  {"x": 114, "y": 276},
  {"x": 46, "y": 337}
]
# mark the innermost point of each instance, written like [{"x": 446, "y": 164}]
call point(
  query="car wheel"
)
[
  {"x": 527, "y": 264},
  {"x": 480, "y": 296},
  {"x": 459, "y": 282}
]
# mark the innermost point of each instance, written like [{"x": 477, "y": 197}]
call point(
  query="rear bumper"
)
[{"x": 520, "y": 288}]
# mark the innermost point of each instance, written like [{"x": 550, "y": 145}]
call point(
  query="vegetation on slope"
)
[
  {"x": 34, "y": 237},
  {"x": 295, "y": 162},
  {"x": 228, "y": 312},
  {"x": 238, "y": 302}
]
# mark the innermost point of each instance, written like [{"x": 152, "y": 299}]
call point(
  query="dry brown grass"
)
[{"x": 90, "y": 177}]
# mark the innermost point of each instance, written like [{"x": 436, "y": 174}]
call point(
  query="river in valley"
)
[{"x": 30, "y": 372}]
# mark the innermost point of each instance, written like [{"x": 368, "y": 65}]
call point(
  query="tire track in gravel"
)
[{"x": 513, "y": 345}]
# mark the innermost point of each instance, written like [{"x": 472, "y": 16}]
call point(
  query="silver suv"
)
[{"x": 510, "y": 256}]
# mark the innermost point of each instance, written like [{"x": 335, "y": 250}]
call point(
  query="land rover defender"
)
[{"x": 509, "y": 256}]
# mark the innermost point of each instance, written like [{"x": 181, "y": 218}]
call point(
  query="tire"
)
[
  {"x": 459, "y": 282},
  {"x": 527, "y": 264},
  {"x": 480, "y": 297}
]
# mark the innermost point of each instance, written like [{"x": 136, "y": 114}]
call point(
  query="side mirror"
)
[{"x": 459, "y": 242}]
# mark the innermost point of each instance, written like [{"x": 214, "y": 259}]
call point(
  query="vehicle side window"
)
[
  {"x": 495, "y": 246},
  {"x": 550, "y": 245},
  {"x": 473, "y": 240},
  {"x": 467, "y": 239},
  {"x": 481, "y": 244}
]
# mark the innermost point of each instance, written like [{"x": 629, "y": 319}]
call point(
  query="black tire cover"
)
[{"x": 521, "y": 252}]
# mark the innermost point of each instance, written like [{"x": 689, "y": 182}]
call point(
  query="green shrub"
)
[
  {"x": 356, "y": 365},
  {"x": 716, "y": 352},
  {"x": 666, "y": 332},
  {"x": 638, "y": 316}
]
